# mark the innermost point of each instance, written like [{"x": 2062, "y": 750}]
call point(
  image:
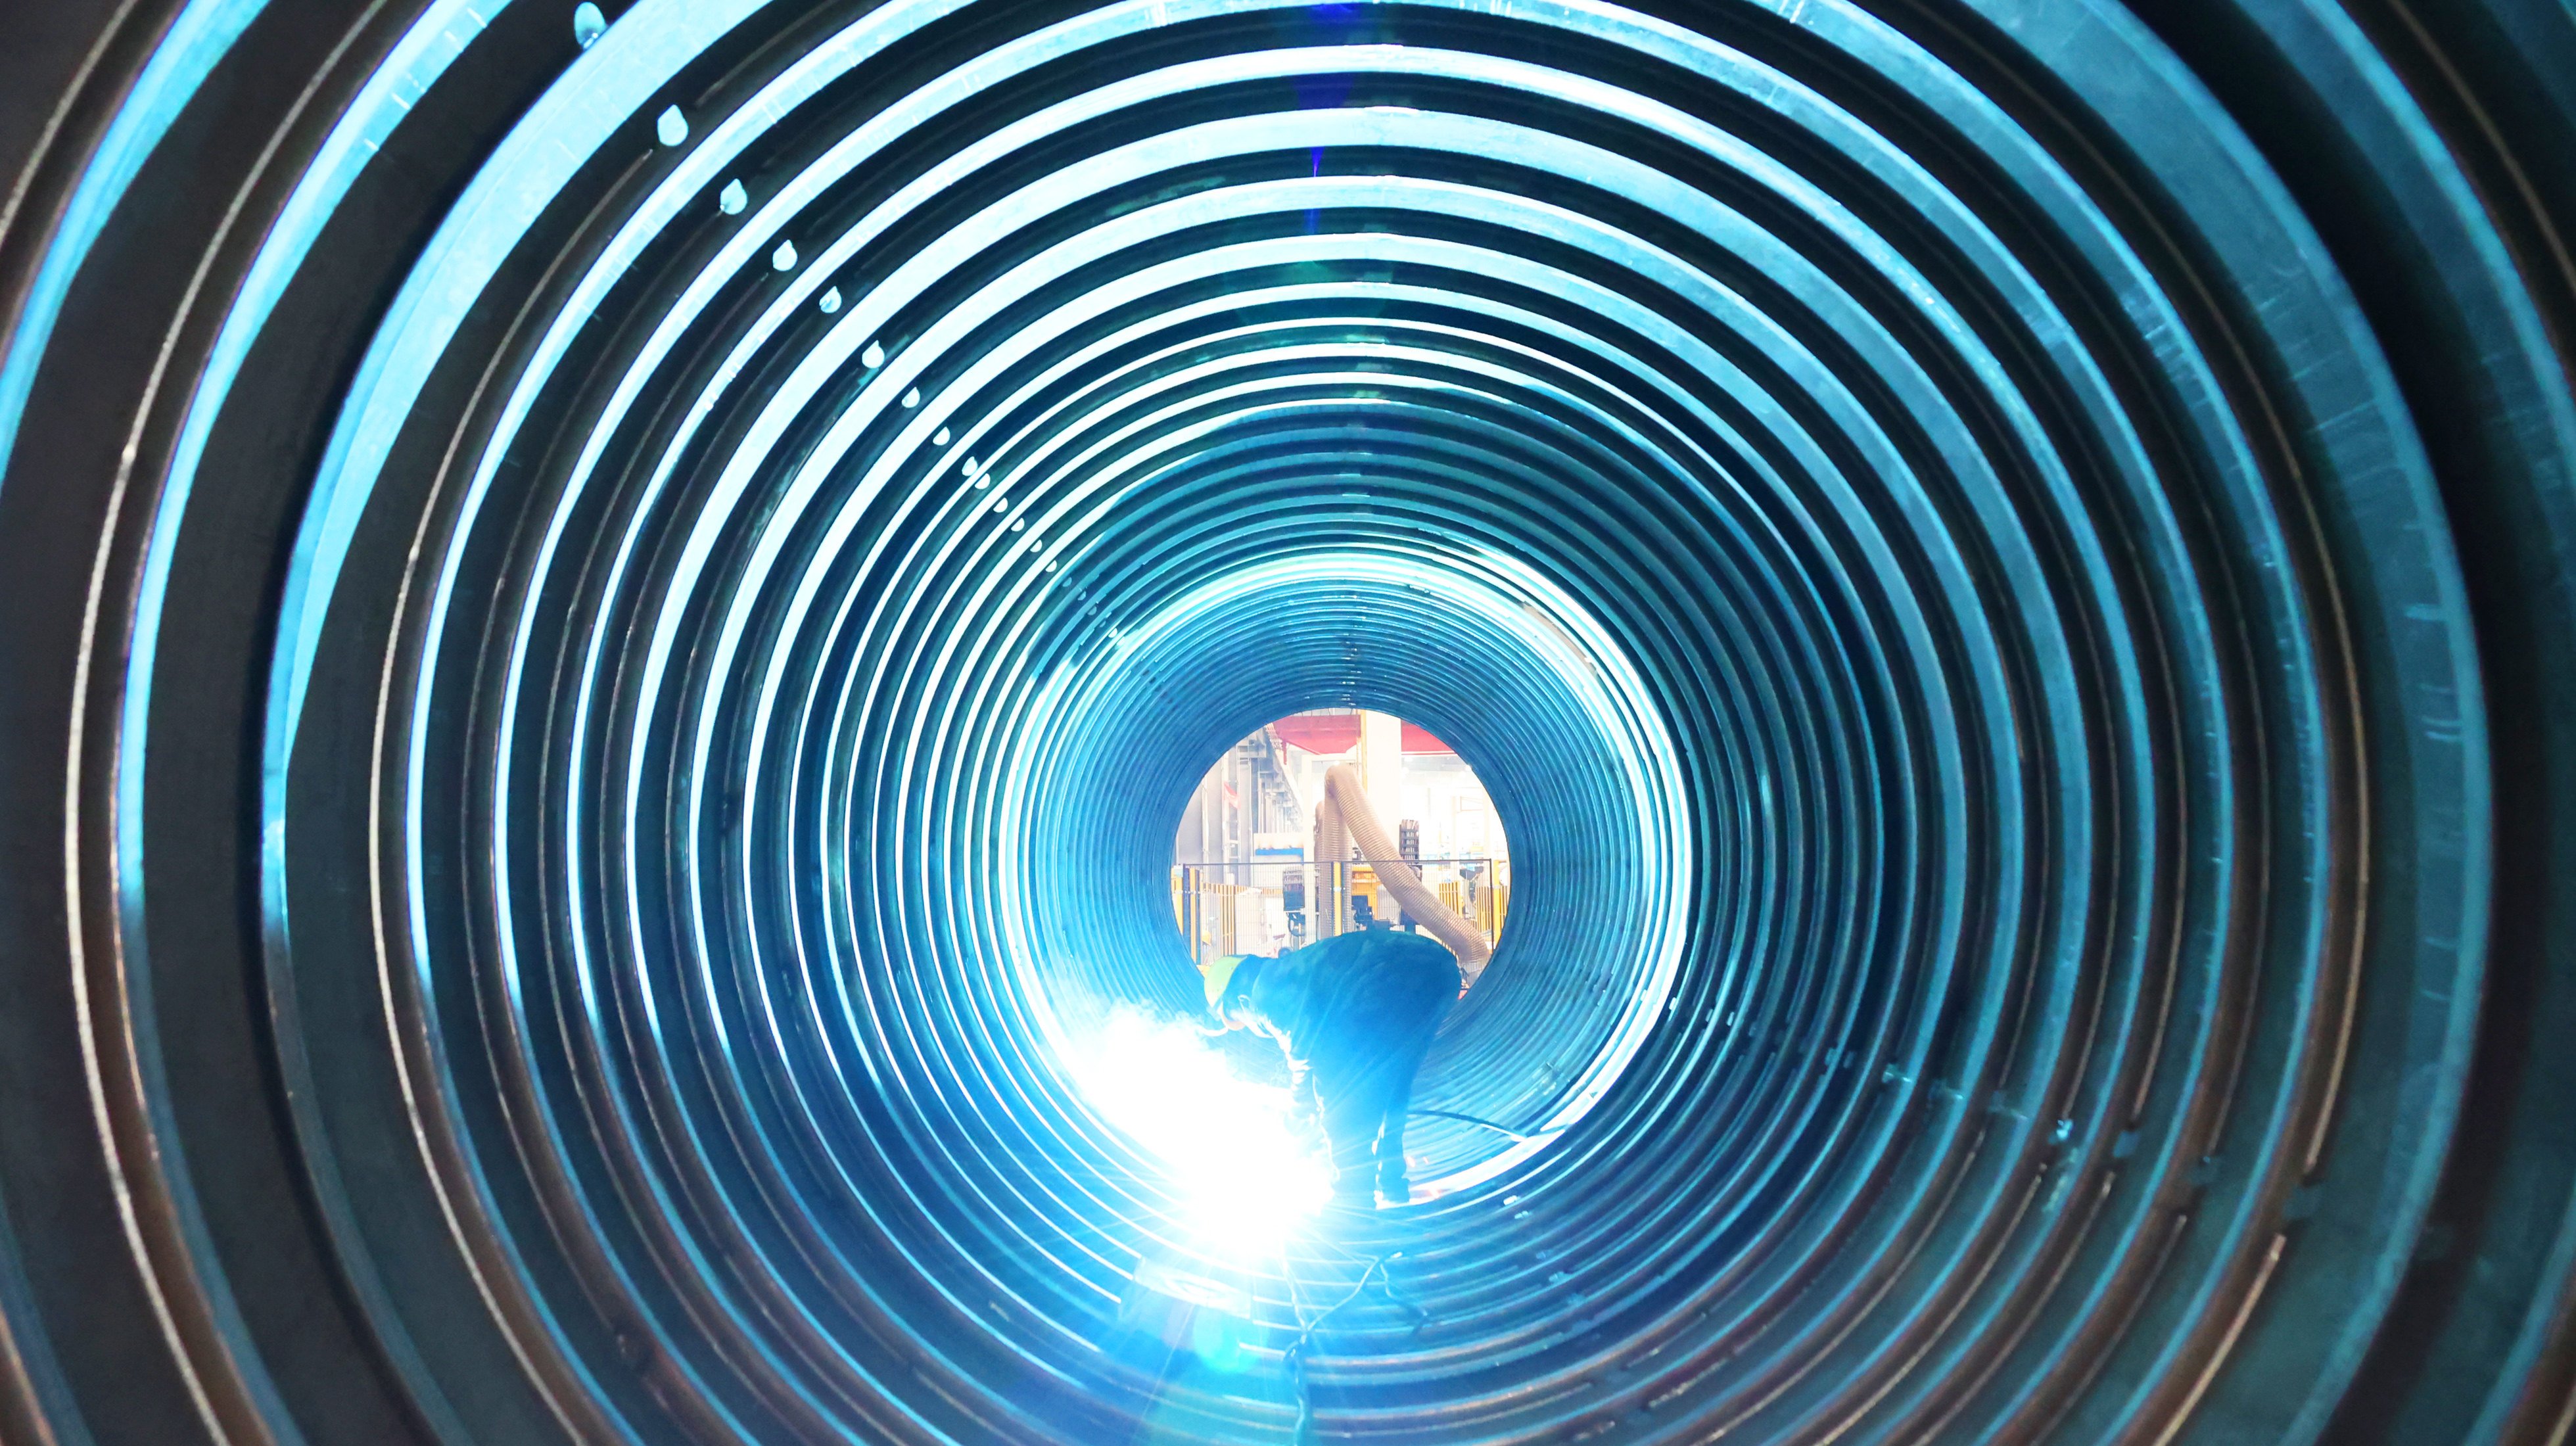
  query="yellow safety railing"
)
[{"x": 1242, "y": 908}]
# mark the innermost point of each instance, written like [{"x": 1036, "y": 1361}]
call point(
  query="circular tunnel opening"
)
[
  {"x": 1286, "y": 841},
  {"x": 1262, "y": 861},
  {"x": 1497, "y": 662}
]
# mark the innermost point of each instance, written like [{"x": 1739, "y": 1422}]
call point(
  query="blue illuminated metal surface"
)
[{"x": 1926, "y": 535}]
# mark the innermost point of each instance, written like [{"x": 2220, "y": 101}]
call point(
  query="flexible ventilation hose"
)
[
  {"x": 1350, "y": 800},
  {"x": 1332, "y": 866}
]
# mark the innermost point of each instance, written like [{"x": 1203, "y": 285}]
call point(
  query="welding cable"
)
[
  {"x": 1506, "y": 1131},
  {"x": 1293, "y": 1357}
]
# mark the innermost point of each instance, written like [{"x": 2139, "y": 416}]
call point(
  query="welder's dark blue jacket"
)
[{"x": 1355, "y": 1014}]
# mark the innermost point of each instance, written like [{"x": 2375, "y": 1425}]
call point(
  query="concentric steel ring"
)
[{"x": 613, "y": 625}]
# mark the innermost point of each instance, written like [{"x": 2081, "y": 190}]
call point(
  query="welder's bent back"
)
[{"x": 1355, "y": 1014}]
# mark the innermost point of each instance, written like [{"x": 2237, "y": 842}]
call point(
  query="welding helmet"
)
[{"x": 1220, "y": 973}]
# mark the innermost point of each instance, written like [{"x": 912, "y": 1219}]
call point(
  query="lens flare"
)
[{"x": 1245, "y": 1177}]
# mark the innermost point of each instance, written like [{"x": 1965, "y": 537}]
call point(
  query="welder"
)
[{"x": 1355, "y": 1014}]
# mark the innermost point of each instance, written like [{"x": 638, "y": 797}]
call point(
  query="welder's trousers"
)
[
  {"x": 1363, "y": 1090},
  {"x": 1363, "y": 1104}
]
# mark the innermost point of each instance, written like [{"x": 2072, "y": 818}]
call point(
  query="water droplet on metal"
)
[
  {"x": 912, "y": 398},
  {"x": 873, "y": 357},
  {"x": 588, "y": 24},
  {"x": 784, "y": 258},
  {"x": 831, "y": 301},
  {"x": 671, "y": 127},
  {"x": 733, "y": 198}
]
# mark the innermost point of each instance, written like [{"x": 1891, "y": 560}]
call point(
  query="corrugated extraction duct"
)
[
  {"x": 1349, "y": 800},
  {"x": 1332, "y": 865}
]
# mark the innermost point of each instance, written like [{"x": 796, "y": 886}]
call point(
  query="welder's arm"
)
[{"x": 1301, "y": 1091}]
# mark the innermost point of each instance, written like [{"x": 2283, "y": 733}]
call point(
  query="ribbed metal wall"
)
[{"x": 603, "y": 643}]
